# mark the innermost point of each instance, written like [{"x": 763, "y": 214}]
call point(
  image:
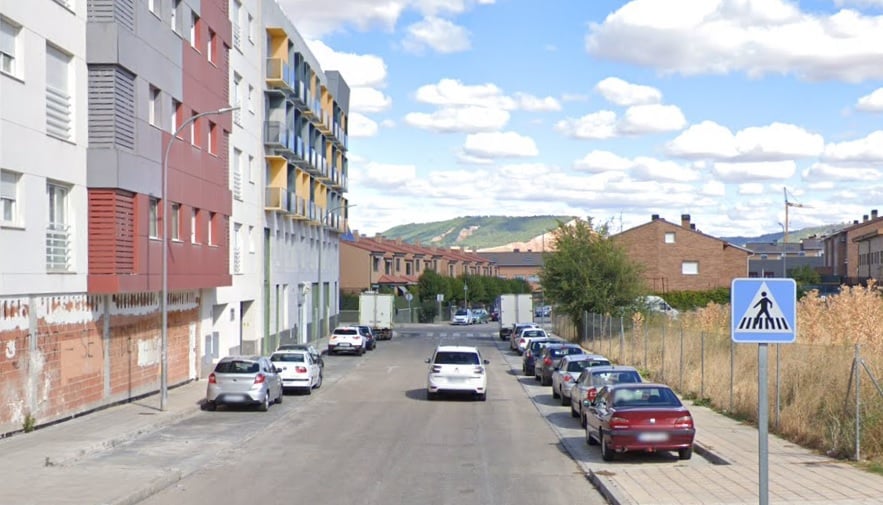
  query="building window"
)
[
  {"x": 151, "y": 6},
  {"x": 387, "y": 267},
  {"x": 236, "y": 100},
  {"x": 251, "y": 248},
  {"x": 398, "y": 265},
  {"x": 212, "y": 138},
  {"x": 212, "y": 47},
  {"x": 236, "y": 249},
  {"x": 236, "y": 165},
  {"x": 210, "y": 237},
  {"x": 250, "y": 98},
  {"x": 195, "y": 130},
  {"x": 9, "y": 197},
  {"x": 58, "y": 233},
  {"x": 194, "y": 30},
  {"x": 59, "y": 105},
  {"x": 8, "y": 46},
  {"x": 250, "y": 28},
  {"x": 250, "y": 169},
  {"x": 690, "y": 268},
  {"x": 176, "y": 116},
  {"x": 669, "y": 237},
  {"x": 153, "y": 219},
  {"x": 408, "y": 268},
  {"x": 375, "y": 264},
  {"x": 235, "y": 14},
  {"x": 155, "y": 108},
  {"x": 173, "y": 21},
  {"x": 175, "y": 221},
  {"x": 194, "y": 226}
]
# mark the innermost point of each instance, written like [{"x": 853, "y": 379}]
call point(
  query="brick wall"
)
[{"x": 65, "y": 355}]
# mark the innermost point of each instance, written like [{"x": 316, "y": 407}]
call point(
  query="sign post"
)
[
  {"x": 439, "y": 298},
  {"x": 409, "y": 297},
  {"x": 764, "y": 311}
]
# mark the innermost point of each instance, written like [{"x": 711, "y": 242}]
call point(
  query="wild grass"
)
[{"x": 811, "y": 383}]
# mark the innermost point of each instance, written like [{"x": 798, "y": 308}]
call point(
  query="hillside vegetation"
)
[{"x": 478, "y": 232}]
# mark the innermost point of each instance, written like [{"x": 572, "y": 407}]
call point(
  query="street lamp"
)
[
  {"x": 164, "y": 339},
  {"x": 320, "y": 315},
  {"x": 465, "y": 295}
]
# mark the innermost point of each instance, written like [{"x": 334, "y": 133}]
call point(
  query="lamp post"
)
[
  {"x": 164, "y": 339},
  {"x": 320, "y": 313},
  {"x": 465, "y": 295}
]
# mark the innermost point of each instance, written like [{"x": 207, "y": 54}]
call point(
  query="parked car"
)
[
  {"x": 548, "y": 361},
  {"x": 462, "y": 316},
  {"x": 244, "y": 380},
  {"x": 298, "y": 370},
  {"x": 515, "y": 334},
  {"x": 528, "y": 357},
  {"x": 317, "y": 356},
  {"x": 346, "y": 339},
  {"x": 495, "y": 316},
  {"x": 368, "y": 335},
  {"x": 568, "y": 370},
  {"x": 639, "y": 417},
  {"x": 527, "y": 335},
  {"x": 544, "y": 311},
  {"x": 592, "y": 379},
  {"x": 456, "y": 369},
  {"x": 479, "y": 316}
]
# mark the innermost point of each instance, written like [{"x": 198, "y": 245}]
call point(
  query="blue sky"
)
[{"x": 614, "y": 110}]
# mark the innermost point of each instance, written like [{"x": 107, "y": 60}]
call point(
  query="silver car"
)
[
  {"x": 591, "y": 380},
  {"x": 569, "y": 369},
  {"x": 244, "y": 380}
]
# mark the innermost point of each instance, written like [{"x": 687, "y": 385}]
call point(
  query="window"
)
[
  {"x": 153, "y": 219},
  {"x": 250, "y": 98},
  {"x": 176, "y": 115},
  {"x": 194, "y": 30},
  {"x": 236, "y": 249},
  {"x": 174, "y": 15},
  {"x": 8, "y": 197},
  {"x": 210, "y": 238},
  {"x": 155, "y": 109},
  {"x": 211, "y": 49},
  {"x": 236, "y": 166},
  {"x": 251, "y": 239},
  {"x": 387, "y": 267},
  {"x": 690, "y": 268},
  {"x": 376, "y": 264},
  {"x": 151, "y": 6},
  {"x": 195, "y": 130},
  {"x": 235, "y": 14},
  {"x": 250, "y": 28},
  {"x": 58, "y": 247},
  {"x": 398, "y": 265},
  {"x": 8, "y": 45},
  {"x": 58, "y": 94},
  {"x": 212, "y": 138},
  {"x": 250, "y": 169},
  {"x": 235, "y": 99},
  {"x": 194, "y": 222},
  {"x": 669, "y": 237},
  {"x": 175, "y": 221}
]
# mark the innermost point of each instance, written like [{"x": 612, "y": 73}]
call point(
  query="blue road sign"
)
[{"x": 764, "y": 310}]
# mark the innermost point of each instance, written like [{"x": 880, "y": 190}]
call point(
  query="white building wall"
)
[
  {"x": 240, "y": 307},
  {"x": 37, "y": 158}
]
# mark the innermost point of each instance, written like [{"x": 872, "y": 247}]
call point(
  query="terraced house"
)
[{"x": 187, "y": 148}]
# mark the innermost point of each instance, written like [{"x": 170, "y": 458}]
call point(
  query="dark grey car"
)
[{"x": 549, "y": 360}]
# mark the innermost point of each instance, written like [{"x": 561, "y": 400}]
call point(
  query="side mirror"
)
[
  {"x": 426, "y": 360},
  {"x": 487, "y": 362},
  {"x": 277, "y": 369},
  {"x": 587, "y": 403}
]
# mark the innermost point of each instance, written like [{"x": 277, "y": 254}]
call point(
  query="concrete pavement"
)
[{"x": 47, "y": 466}]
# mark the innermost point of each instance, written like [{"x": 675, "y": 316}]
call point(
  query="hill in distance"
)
[{"x": 534, "y": 233}]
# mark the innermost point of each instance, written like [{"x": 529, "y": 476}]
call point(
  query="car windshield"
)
[
  {"x": 532, "y": 333},
  {"x": 620, "y": 377},
  {"x": 290, "y": 357},
  {"x": 461, "y": 312},
  {"x": 456, "y": 358},
  {"x": 237, "y": 366},
  {"x": 645, "y": 397},
  {"x": 564, "y": 351},
  {"x": 577, "y": 366}
]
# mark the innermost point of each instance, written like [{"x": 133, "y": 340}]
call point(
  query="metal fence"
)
[{"x": 816, "y": 393}]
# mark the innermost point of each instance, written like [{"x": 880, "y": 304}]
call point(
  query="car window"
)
[
  {"x": 456, "y": 358},
  {"x": 237, "y": 366},
  {"x": 288, "y": 357},
  {"x": 576, "y": 366},
  {"x": 570, "y": 351},
  {"x": 461, "y": 312},
  {"x": 346, "y": 331}
]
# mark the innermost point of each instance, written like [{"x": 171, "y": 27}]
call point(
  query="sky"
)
[{"x": 609, "y": 110}]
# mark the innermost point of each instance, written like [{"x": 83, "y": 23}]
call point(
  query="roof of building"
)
[
  {"x": 514, "y": 258},
  {"x": 686, "y": 225}
]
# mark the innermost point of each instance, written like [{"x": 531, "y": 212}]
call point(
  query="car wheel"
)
[
  {"x": 685, "y": 453},
  {"x": 545, "y": 382},
  {"x": 210, "y": 406},
  {"x": 265, "y": 405},
  {"x": 308, "y": 391},
  {"x": 590, "y": 440},
  {"x": 606, "y": 451},
  {"x": 536, "y": 377},
  {"x": 483, "y": 397},
  {"x": 281, "y": 394},
  {"x": 430, "y": 396},
  {"x": 361, "y": 351},
  {"x": 554, "y": 392},
  {"x": 319, "y": 382},
  {"x": 582, "y": 420},
  {"x": 573, "y": 413},
  {"x": 565, "y": 400}
]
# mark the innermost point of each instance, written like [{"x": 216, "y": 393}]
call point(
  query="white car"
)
[
  {"x": 298, "y": 370},
  {"x": 462, "y": 316},
  {"x": 346, "y": 339},
  {"x": 456, "y": 369},
  {"x": 527, "y": 335}
]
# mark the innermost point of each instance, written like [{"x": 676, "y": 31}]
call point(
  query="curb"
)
[{"x": 154, "y": 487}]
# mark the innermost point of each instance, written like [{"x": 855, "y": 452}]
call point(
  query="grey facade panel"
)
[
  {"x": 111, "y": 107},
  {"x": 339, "y": 89},
  {"x": 112, "y": 11}
]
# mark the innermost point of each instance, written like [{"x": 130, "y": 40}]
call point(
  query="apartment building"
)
[
  {"x": 681, "y": 258},
  {"x": 855, "y": 253}
]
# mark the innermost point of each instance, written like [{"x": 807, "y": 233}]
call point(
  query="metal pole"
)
[
  {"x": 702, "y": 365},
  {"x": 164, "y": 295},
  {"x": 762, "y": 426},
  {"x": 778, "y": 405},
  {"x": 732, "y": 371},
  {"x": 858, "y": 401}
]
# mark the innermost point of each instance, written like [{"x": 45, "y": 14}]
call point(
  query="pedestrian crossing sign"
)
[{"x": 764, "y": 311}]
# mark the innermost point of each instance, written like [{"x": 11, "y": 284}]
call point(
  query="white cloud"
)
[
  {"x": 872, "y": 102},
  {"x": 777, "y": 141},
  {"x": 754, "y": 171},
  {"x": 652, "y": 118},
  {"x": 438, "y": 34},
  {"x": 536, "y": 104},
  {"x": 435, "y": 7},
  {"x": 651, "y": 169},
  {"x": 714, "y": 188},
  {"x": 385, "y": 175},
  {"x": 597, "y": 125},
  {"x": 362, "y": 126},
  {"x": 369, "y": 100},
  {"x": 365, "y": 74},
  {"x": 454, "y": 92},
  {"x": 573, "y": 97},
  {"x": 602, "y": 161},
  {"x": 499, "y": 145},
  {"x": 459, "y": 119},
  {"x": 868, "y": 149},
  {"x": 824, "y": 171},
  {"x": 318, "y": 18},
  {"x": 467, "y": 159},
  {"x": 751, "y": 188},
  {"x": 768, "y": 37},
  {"x": 620, "y": 92}
]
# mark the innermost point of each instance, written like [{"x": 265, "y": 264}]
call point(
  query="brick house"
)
[
  {"x": 517, "y": 264},
  {"x": 681, "y": 258},
  {"x": 854, "y": 253}
]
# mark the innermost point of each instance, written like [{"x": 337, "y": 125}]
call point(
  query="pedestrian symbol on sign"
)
[{"x": 763, "y": 314}]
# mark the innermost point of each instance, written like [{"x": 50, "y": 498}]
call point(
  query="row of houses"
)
[{"x": 188, "y": 148}]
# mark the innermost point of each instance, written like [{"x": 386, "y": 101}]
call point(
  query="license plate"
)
[
  {"x": 653, "y": 437},
  {"x": 343, "y": 345}
]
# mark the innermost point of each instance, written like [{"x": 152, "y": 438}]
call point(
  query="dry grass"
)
[{"x": 817, "y": 405}]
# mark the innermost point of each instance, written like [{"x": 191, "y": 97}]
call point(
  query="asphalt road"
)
[{"x": 369, "y": 436}]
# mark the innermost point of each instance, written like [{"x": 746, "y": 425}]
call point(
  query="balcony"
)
[
  {"x": 300, "y": 92},
  {"x": 58, "y": 247},
  {"x": 237, "y": 261},
  {"x": 322, "y": 122},
  {"x": 306, "y": 108},
  {"x": 297, "y": 207},
  {"x": 279, "y": 136},
  {"x": 280, "y": 75},
  {"x": 237, "y": 36},
  {"x": 276, "y": 199},
  {"x": 237, "y": 183}
]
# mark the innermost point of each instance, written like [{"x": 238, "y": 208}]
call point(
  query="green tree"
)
[
  {"x": 589, "y": 271},
  {"x": 431, "y": 284}
]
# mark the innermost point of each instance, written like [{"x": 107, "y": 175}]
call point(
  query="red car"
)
[{"x": 639, "y": 417}]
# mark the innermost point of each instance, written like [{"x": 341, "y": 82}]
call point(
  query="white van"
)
[{"x": 658, "y": 304}]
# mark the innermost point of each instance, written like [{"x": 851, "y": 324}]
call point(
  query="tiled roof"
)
[
  {"x": 658, "y": 220},
  {"x": 397, "y": 279},
  {"x": 514, "y": 259},
  {"x": 380, "y": 245}
]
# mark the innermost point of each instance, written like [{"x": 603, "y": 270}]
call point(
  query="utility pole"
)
[{"x": 785, "y": 238}]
